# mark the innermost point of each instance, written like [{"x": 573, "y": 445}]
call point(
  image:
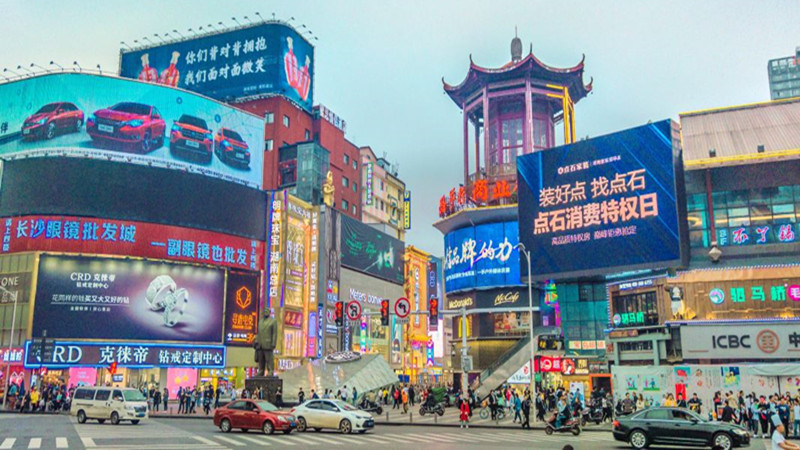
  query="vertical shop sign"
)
[
  {"x": 407, "y": 210},
  {"x": 275, "y": 286}
]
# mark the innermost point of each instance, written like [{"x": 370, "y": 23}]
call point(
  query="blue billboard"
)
[
  {"x": 603, "y": 205},
  {"x": 269, "y": 58},
  {"x": 482, "y": 256}
]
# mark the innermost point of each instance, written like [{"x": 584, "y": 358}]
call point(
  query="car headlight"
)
[
  {"x": 130, "y": 408},
  {"x": 175, "y": 127},
  {"x": 135, "y": 123},
  {"x": 226, "y": 144},
  {"x": 740, "y": 432},
  {"x": 91, "y": 118}
]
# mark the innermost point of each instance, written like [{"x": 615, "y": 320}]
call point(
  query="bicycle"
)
[{"x": 486, "y": 412}]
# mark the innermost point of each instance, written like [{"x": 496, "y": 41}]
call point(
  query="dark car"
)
[
  {"x": 248, "y": 414},
  {"x": 128, "y": 123},
  {"x": 677, "y": 426},
  {"x": 51, "y": 119},
  {"x": 191, "y": 134},
  {"x": 231, "y": 148}
]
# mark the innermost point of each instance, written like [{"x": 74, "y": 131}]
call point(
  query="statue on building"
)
[
  {"x": 266, "y": 341},
  {"x": 328, "y": 189}
]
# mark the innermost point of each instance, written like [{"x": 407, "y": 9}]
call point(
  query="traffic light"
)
[
  {"x": 433, "y": 310},
  {"x": 339, "y": 314},
  {"x": 385, "y": 312}
]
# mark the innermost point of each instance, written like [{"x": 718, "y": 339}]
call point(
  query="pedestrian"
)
[
  {"x": 526, "y": 412},
  {"x": 12, "y": 396},
  {"x": 165, "y": 399},
  {"x": 778, "y": 436},
  {"x": 301, "y": 396},
  {"x": 405, "y": 401},
  {"x": 355, "y": 395},
  {"x": 396, "y": 397},
  {"x": 34, "y": 399},
  {"x": 465, "y": 412},
  {"x": 279, "y": 398},
  {"x": 411, "y": 394},
  {"x": 517, "y": 408},
  {"x": 216, "y": 397}
]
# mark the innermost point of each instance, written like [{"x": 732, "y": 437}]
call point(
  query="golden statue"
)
[{"x": 328, "y": 189}]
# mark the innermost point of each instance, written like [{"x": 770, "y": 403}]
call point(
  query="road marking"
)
[
  {"x": 300, "y": 439},
  {"x": 503, "y": 438},
  {"x": 417, "y": 438},
  {"x": 61, "y": 442},
  {"x": 230, "y": 441},
  {"x": 396, "y": 438},
  {"x": 35, "y": 443},
  {"x": 258, "y": 441},
  {"x": 205, "y": 441},
  {"x": 372, "y": 439},
  {"x": 321, "y": 440},
  {"x": 88, "y": 442},
  {"x": 439, "y": 438},
  {"x": 8, "y": 443}
]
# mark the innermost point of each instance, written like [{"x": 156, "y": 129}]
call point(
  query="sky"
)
[{"x": 380, "y": 64}]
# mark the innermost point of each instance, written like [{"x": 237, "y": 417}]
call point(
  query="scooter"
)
[
  {"x": 438, "y": 409},
  {"x": 369, "y": 406},
  {"x": 572, "y": 425},
  {"x": 592, "y": 414}
]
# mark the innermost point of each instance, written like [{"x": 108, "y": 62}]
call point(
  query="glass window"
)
[
  {"x": 698, "y": 238},
  {"x": 346, "y": 159},
  {"x": 313, "y": 405},
  {"x": 102, "y": 394},
  {"x": 308, "y": 135},
  {"x": 760, "y": 214},
  {"x": 286, "y": 121},
  {"x": 268, "y": 145},
  {"x": 696, "y": 201},
  {"x": 133, "y": 395},
  {"x": 720, "y": 199},
  {"x": 84, "y": 394},
  {"x": 269, "y": 117},
  {"x": 697, "y": 220},
  {"x": 117, "y": 395},
  {"x": 355, "y": 186},
  {"x": 721, "y": 217},
  {"x": 737, "y": 198},
  {"x": 345, "y": 182},
  {"x": 783, "y": 213},
  {"x": 355, "y": 165},
  {"x": 659, "y": 414},
  {"x": 355, "y": 210},
  {"x": 345, "y": 206}
]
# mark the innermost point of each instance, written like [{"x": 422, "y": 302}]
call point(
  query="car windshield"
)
[
  {"x": 133, "y": 396},
  {"x": 47, "y": 108},
  {"x": 232, "y": 134},
  {"x": 193, "y": 121},
  {"x": 132, "y": 108},
  {"x": 345, "y": 406},
  {"x": 266, "y": 406}
]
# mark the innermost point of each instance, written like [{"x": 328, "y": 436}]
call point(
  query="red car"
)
[
  {"x": 128, "y": 123},
  {"x": 191, "y": 134},
  {"x": 52, "y": 118},
  {"x": 231, "y": 148},
  {"x": 247, "y": 414}
]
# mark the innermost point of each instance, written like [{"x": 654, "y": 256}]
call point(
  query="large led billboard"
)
[
  {"x": 603, "y": 205},
  {"x": 265, "y": 59},
  {"x": 109, "y": 118},
  {"x": 367, "y": 250},
  {"x": 122, "y": 299},
  {"x": 482, "y": 256}
]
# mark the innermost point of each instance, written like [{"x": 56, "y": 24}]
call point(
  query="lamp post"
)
[
  {"x": 527, "y": 254},
  {"x": 10, "y": 342}
]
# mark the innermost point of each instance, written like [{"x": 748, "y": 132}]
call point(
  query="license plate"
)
[
  {"x": 294, "y": 424},
  {"x": 192, "y": 144},
  {"x": 26, "y": 131},
  {"x": 105, "y": 128},
  {"x": 239, "y": 156},
  {"x": 140, "y": 415}
]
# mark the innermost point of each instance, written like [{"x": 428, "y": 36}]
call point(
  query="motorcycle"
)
[
  {"x": 572, "y": 425},
  {"x": 591, "y": 414},
  {"x": 437, "y": 409},
  {"x": 369, "y": 406}
]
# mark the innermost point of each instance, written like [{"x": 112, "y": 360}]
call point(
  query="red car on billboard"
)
[
  {"x": 138, "y": 125},
  {"x": 246, "y": 414},
  {"x": 191, "y": 134},
  {"x": 51, "y": 119},
  {"x": 231, "y": 148}
]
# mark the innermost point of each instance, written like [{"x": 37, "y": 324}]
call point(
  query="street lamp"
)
[{"x": 527, "y": 254}]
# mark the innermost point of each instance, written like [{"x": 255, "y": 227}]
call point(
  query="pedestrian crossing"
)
[{"x": 218, "y": 440}]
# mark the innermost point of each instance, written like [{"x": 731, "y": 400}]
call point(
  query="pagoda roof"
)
[{"x": 478, "y": 77}]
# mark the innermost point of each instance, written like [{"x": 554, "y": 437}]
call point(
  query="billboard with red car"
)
[{"x": 93, "y": 116}]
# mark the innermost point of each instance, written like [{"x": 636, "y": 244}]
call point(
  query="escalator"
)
[{"x": 508, "y": 364}]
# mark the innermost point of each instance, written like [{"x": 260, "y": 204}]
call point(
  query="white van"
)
[{"x": 112, "y": 403}]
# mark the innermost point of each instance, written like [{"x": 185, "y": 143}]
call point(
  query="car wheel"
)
[
  {"x": 51, "y": 130},
  {"x": 723, "y": 441},
  {"x": 81, "y": 417},
  {"x": 638, "y": 439},
  {"x": 345, "y": 427},
  {"x": 78, "y": 124},
  {"x": 135, "y": 422},
  {"x": 267, "y": 427},
  {"x": 114, "y": 418},
  {"x": 301, "y": 424},
  {"x": 146, "y": 142},
  {"x": 225, "y": 426},
  {"x": 379, "y": 410},
  {"x": 101, "y": 420},
  {"x": 548, "y": 430}
]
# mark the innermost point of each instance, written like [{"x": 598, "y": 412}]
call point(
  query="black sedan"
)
[{"x": 677, "y": 426}]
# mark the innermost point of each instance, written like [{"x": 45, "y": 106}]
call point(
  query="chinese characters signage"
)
[
  {"x": 91, "y": 354},
  {"x": 127, "y": 300},
  {"x": 628, "y": 319},
  {"x": 126, "y": 238},
  {"x": 14, "y": 287},
  {"x": 368, "y": 183},
  {"x": 482, "y": 256},
  {"x": 480, "y": 193},
  {"x": 614, "y": 196},
  {"x": 407, "y": 210},
  {"x": 241, "y": 308},
  {"x": 768, "y": 341},
  {"x": 274, "y": 246},
  {"x": 11, "y": 355},
  {"x": 755, "y": 293},
  {"x": 757, "y": 235},
  {"x": 258, "y": 60},
  {"x": 331, "y": 118}
]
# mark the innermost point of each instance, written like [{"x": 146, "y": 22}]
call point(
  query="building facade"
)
[
  {"x": 383, "y": 195},
  {"x": 784, "y": 76}
]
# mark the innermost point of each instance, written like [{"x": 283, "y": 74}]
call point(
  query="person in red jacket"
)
[{"x": 464, "y": 413}]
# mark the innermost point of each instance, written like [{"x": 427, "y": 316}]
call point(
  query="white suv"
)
[{"x": 103, "y": 403}]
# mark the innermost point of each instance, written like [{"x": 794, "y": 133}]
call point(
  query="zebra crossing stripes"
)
[{"x": 7, "y": 443}]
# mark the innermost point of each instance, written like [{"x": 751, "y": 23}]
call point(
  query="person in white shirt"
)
[{"x": 779, "y": 442}]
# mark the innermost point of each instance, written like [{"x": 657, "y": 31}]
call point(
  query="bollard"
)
[
  {"x": 410, "y": 417},
  {"x": 387, "y": 416},
  {"x": 435, "y": 418}
]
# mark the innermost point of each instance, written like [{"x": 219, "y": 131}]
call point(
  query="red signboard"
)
[
  {"x": 547, "y": 364},
  {"x": 480, "y": 193},
  {"x": 292, "y": 319},
  {"x": 126, "y": 238}
]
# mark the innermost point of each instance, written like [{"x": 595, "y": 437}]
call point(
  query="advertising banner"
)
[
  {"x": 614, "y": 195},
  {"x": 97, "y": 298},
  {"x": 367, "y": 250},
  {"x": 129, "y": 238},
  {"x": 268, "y": 58},
  {"x": 241, "y": 308},
  {"x": 275, "y": 238},
  {"x": 742, "y": 342},
  {"x": 482, "y": 256},
  {"x": 15, "y": 287},
  {"x": 11, "y": 355},
  {"x": 133, "y": 356},
  {"x": 101, "y": 117}
]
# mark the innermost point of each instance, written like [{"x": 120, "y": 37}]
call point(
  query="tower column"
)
[
  {"x": 466, "y": 143},
  {"x": 527, "y": 127},
  {"x": 486, "y": 130},
  {"x": 477, "y": 147}
]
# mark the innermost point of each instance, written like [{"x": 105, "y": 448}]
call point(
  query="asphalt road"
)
[{"x": 60, "y": 431}]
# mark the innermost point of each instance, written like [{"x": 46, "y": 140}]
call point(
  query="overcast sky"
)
[{"x": 379, "y": 64}]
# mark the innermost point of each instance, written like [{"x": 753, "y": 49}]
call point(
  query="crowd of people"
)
[{"x": 50, "y": 397}]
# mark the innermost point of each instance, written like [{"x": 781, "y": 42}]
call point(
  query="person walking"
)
[
  {"x": 465, "y": 412},
  {"x": 526, "y": 412},
  {"x": 165, "y": 399},
  {"x": 301, "y": 396},
  {"x": 355, "y": 396},
  {"x": 517, "y": 408},
  {"x": 396, "y": 397},
  {"x": 216, "y": 397},
  {"x": 411, "y": 393},
  {"x": 405, "y": 401}
]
